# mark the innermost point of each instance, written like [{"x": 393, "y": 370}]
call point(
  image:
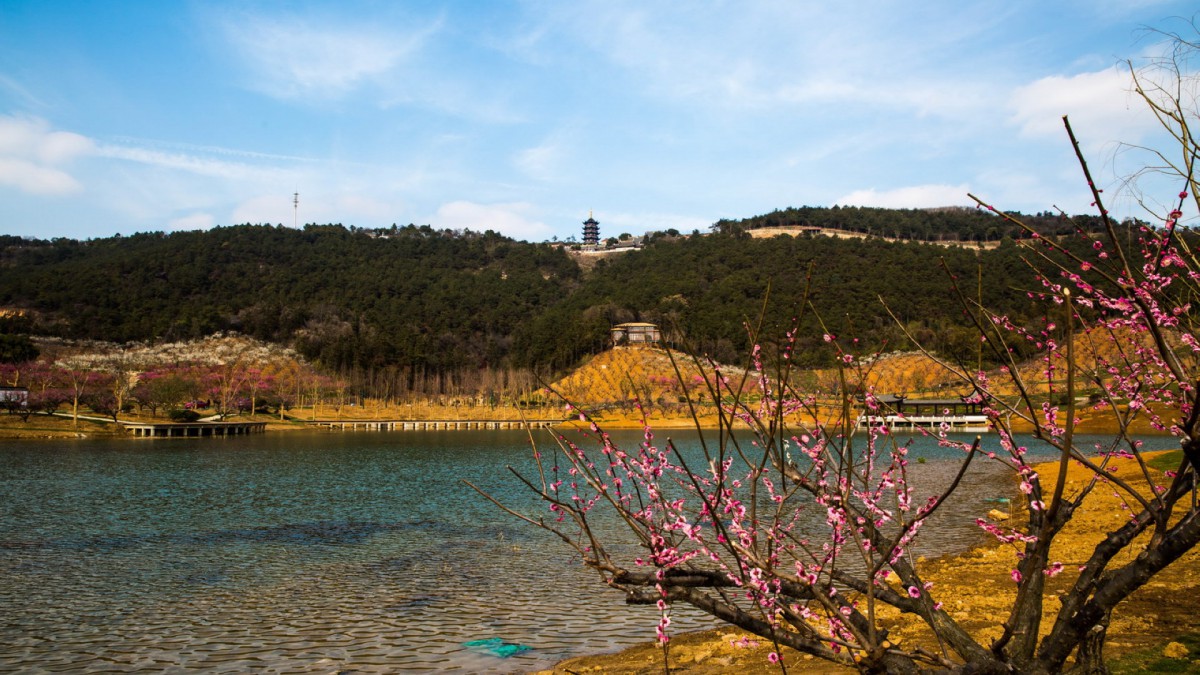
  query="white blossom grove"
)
[
  {"x": 233, "y": 365},
  {"x": 220, "y": 349},
  {"x": 230, "y": 370}
]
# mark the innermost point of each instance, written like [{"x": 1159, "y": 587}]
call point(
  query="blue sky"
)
[{"x": 133, "y": 116}]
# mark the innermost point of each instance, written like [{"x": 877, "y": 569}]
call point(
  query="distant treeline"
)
[
  {"x": 429, "y": 307},
  {"x": 954, "y": 223}
]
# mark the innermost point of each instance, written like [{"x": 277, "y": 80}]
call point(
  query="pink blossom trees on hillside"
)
[{"x": 235, "y": 373}]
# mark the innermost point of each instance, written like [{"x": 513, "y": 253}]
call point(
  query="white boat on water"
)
[{"x": 898, "y": 412}]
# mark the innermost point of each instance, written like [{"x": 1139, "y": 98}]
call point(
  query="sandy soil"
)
[{"x": 982, "y": 591}]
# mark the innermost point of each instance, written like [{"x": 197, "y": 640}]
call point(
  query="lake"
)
[{"x": 317, "y": 552}]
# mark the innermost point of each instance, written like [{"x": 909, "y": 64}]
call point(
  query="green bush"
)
[{"x": 183, "y": 415}]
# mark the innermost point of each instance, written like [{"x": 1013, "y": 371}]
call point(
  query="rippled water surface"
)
[{"x": 311, "y": 552}]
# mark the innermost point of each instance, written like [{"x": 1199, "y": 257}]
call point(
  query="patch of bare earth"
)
[{"x": 977, "y": 589}]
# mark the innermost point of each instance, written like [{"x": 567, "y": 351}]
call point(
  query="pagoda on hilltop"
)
[{"x": 591, "y": 231}]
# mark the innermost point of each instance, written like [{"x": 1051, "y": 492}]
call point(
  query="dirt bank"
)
[{"x": 982, "y": 591}]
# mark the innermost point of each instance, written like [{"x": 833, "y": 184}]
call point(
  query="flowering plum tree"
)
[
  {"x": 45, "y": 385},
  {"x": 727, "y": 529},
  {"x": 228, "y": 367},
  {"x": 82, "y": 376},
  {"x": 166, "y": 387}
]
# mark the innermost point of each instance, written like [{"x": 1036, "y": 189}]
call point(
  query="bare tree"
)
[{"x": 726, "y": 530}]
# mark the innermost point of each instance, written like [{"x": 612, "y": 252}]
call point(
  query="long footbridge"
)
[
  {"x": 207, "y": 429},
  {"x": 430, "y": 425},
  {"x": 193, "y": 429}
]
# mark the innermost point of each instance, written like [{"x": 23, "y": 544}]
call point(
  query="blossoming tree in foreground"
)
[{"x": 728, "y": 529}]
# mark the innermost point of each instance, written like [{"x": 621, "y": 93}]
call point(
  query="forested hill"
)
[
  {"x": 711, "y": 287},
  {"x": 419, "y": 299},
  {"x": 344, "y": 296},
  {"x": 954, "y": 223}
]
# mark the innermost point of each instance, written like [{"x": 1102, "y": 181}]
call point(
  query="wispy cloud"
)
[
  {"x": 270, "y": 208},
  {"x": 350, "y": 201},
  {"x": 177, "y": 147},
  {"x": 784, "y": 53},
  {"x": 293, "y": 57},
  {"x": 546, "y": 161},
  {"x": 199, "y": 165},
  {"x": 514, "y": 219},
  {"x": 192, "y": 221},
  {"x": 520, "y": 116},
  {"x": 912, "y": 197},
  {"x": 21, "y": 92}
]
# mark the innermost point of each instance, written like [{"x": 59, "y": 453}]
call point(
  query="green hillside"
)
[{"x": 421, "y": 303}]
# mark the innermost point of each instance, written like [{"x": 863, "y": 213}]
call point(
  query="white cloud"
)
[
  {"x": 1100, "y": 105},
  {"x": 339, "y": 207},
  {"x": 510, "y": 219},
  {"x": 32, "y": 138},
  {"x": 913, "y": 197},
  {"x": 34, "y": 179},
  {"x": 613, "y": 224},
  {"x": 32, "y": 155},
  {"x": 1015, "y": 188},
  {"x": 268, "y": 208},
  {"x": 358, "y": 208},
  {"x": 194, "y": 221},
  {"x": 517, "y": 116},
  {"x": 293, "y": 57},
  {"x": 63, "y": 146}
]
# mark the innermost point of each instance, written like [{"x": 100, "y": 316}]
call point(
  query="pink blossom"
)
[{"x": 744, "y": 643}]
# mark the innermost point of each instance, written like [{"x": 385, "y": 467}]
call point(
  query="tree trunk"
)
[{"x": 1089, "y": 660}]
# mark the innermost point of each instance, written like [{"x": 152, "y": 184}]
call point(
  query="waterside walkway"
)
[
  {"x": 193, "y": 429},
  {"x": 428, "y": 425}
]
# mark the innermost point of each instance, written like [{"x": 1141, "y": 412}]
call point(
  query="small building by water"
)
[{"x": 958, "y": 414}]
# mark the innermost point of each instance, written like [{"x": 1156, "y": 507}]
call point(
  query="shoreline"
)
[
  {"x": 1147, "y": 619},
  {"x": 979, "y": 591},
  {"x": 47, "y": 428},
  {"x": 59, "y": 425}
]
